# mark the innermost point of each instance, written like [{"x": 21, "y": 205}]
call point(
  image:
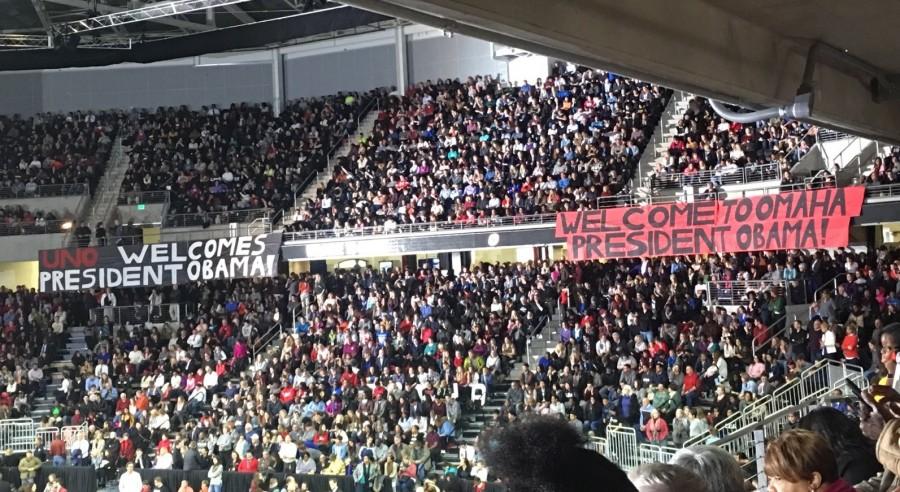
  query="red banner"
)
[{"x": 791, "y": 220}]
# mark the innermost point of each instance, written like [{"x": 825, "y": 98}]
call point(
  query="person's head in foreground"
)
[
  {"x": 720, "y": 471},
  {"x": 801, "y": 461},
  {"x": 545, "y": 454},
  {"x": 663, "y": 477}
]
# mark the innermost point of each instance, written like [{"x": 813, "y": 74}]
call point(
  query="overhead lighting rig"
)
[
  {"x": 37, "y": 42},
  {"x": 148, "y": 12}
]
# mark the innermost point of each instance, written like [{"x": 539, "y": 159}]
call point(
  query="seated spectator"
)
[{"x": 802, "y": 460}]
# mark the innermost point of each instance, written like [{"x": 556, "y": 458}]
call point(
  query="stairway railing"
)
[
  {"x": 650, "y": 154},
  {"x": 621, "y": 442},
  {"x": 832, "y": 283}
]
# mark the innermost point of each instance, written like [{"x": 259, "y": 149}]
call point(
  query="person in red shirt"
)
[
  {"x": 850, "y": 345},
  {"x": 691, "y": 386},
  {"x": 287, "y": 394},
  {"x": 248, "y": 464},
  {"x": 656, "y": 429},
  {"x": 126, "y": 448}
]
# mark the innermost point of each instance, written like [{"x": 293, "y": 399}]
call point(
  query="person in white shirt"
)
[
  {"x": 163, "y": 460},
  {"x": 829, "y": 341},
  {"x": 210, "y": 379},
  {"x": 130, "y": 481}
]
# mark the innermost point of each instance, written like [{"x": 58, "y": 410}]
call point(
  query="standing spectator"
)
[
  {"x": 130, "y": 481},
  {"x": 100, "y": 234},
  {"x": 215, "y": 475},
  {"x": 656, "y": 429},
  {"x": 83, "y": 235},
  {"x": 28, "y": 467}
]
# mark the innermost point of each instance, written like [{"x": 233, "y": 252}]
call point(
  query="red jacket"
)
[
  {"x": 249, "y": 464},
  {"x": 691, "y": 382}
]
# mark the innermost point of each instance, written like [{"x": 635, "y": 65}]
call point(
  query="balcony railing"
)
[
  {"x": 141, "y": 313},
  {"x": 8, "y": 192},
  {"x": 212, "y": 218},
  {"x": 873, "y": 193},
  {"x": 143, "y": 197},
  {"x": 738, "y": 175},
  {"x": 736, "y": 292},
  {"x": 48, "y": 227}
]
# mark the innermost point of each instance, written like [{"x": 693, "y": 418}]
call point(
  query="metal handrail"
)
[
  {"x": 739, "y": 175},
  {"x": 139, "y": 313},
  {"x": 650, "y": 153},
  {"x": 620, "y": 200},
  {"x": 314, "y": 173},
  {"x": 266, "y": 338},
  {"x": 221, "y": 217},
  {"x": 57, "y": 226},
  {"x": 43, "y": 191},
  {"x": 832, "y": 282},
  {"x": 736, "y": 289}
]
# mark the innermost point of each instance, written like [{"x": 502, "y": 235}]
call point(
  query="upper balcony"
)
[{"x": 20, "y": 240}]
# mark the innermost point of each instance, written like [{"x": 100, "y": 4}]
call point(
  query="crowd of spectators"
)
[
  {"x": 884, "y": 169},
  {"x": 15, "y": 220},
  {"x": 372, "y": 379},
  {"x": 376, "y": 373},
  {"x": 236, "y": 158},
  {"x": 34, "y": 328},
  {"x": 54, "y": 149},
  {"x": 473, "y": 151},
  {"x": 707, "y": 149},
  {"x": 639, "y": 347}
]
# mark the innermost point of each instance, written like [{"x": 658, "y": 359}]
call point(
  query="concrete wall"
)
[
  {"x": 432, "y": 58},
  {"x": 359, "y": 69},
  {"x": 15, "y": 273},
  {"x": 25, "y": 248}
]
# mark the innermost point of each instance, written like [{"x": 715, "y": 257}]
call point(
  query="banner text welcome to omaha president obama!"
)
[
  {"x": 808, "y": 219},
  {"x": 159, "y": 264}
]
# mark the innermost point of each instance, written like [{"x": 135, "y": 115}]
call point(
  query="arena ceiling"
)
[
  {"x": 37, "y": 34},
  {"x": 38, "y": 16},
  {"x": 753, "y": 52}
]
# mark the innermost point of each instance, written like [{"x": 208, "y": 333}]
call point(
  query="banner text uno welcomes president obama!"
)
[{"x": 159, "y": 264}]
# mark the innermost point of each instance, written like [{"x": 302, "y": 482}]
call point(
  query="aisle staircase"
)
[
  {"x": 76, "y": 343},
  {"x": 473, "y": 422},
  {"x": 658, "y": 147},
  {"x": 106, "y": 198},
  {"x": 366, "y": 126}
]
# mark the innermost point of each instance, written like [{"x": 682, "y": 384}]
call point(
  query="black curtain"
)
[
  {"x": 317, "y": 483},
  {"x": 73, "y": 478}
]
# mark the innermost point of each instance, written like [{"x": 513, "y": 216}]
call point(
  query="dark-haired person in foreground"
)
[
  {"x": 855, "y": 454},
  {"x": 544, "y": 454}
]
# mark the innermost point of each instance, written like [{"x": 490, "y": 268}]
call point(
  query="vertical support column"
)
[
  {"x": 400, "y": 49},
  {"x": 277, "y": 81},
  {"x": 759, "y": 444}
]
